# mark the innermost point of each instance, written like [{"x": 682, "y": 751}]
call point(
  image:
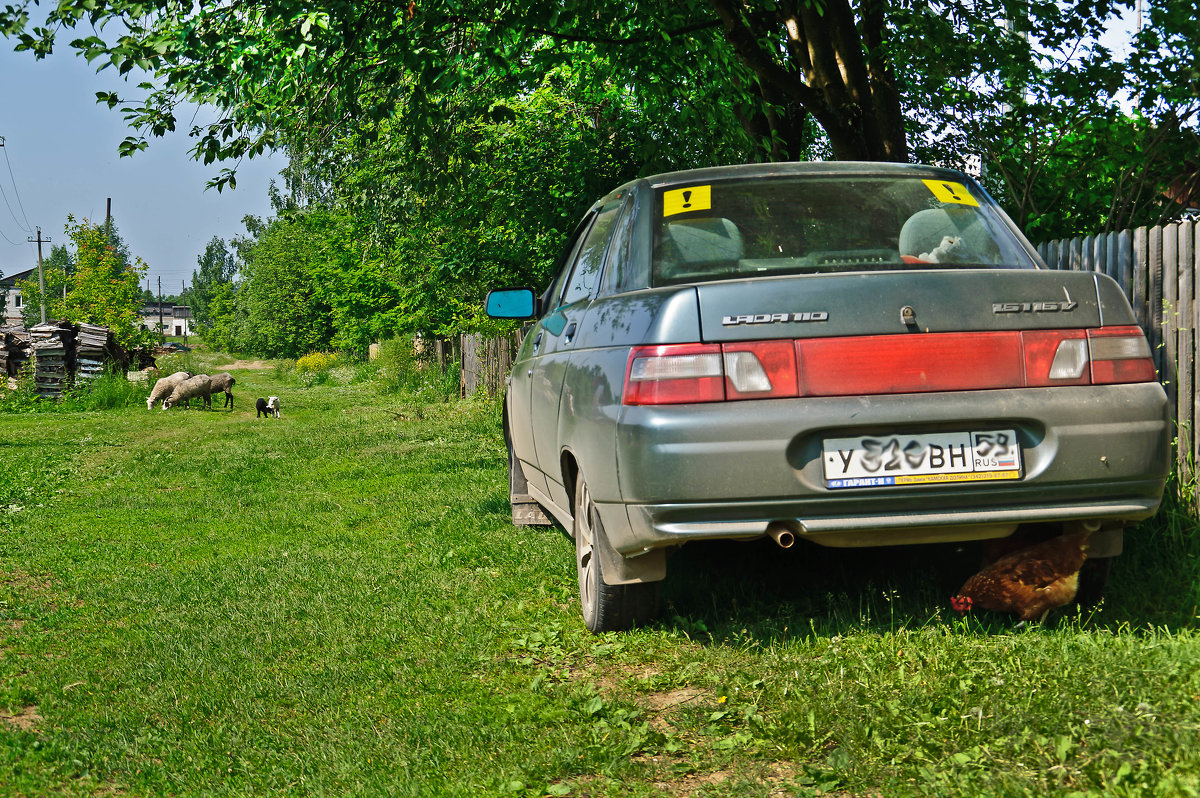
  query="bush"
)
[
  {"x": 399, "y": 369},
  {"x": 109, "y": 390}
]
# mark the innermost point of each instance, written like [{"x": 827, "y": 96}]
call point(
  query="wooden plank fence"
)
[
  {"x": 484, "y": 362},
  {"x": 1156, "y": 267}
]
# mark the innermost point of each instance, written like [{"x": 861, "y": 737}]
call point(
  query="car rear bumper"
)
[{"x": 733, "y": 469}]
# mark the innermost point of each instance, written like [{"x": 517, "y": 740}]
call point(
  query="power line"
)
[{"x": 24, "y": 228}]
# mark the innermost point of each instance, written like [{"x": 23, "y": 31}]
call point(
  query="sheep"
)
[
  {"x": 270, "y": 409},
  {"x": 199, "y": 386},
  {"x": 162, "y": 389},
  {"x": 224, "y": 382}
]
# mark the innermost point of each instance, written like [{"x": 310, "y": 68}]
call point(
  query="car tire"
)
[{"x": 606, "y": 608}]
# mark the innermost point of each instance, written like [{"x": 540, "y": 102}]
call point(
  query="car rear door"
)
[{"x": 554, "y": 342}]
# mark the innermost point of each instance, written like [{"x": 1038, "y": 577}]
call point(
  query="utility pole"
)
[
  {"x": 188, "y": 318},
  {"x": 162, "y": 331},
  {"x": 41, "y": 277}
]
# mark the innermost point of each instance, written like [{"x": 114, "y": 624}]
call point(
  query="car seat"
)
[{"x": 947, "y": 235}]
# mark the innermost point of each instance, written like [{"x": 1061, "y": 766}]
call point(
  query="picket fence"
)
[{"x": 1156, "y": 267}]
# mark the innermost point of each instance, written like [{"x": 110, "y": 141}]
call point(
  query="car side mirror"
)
[{"x": 511, "y": 303}]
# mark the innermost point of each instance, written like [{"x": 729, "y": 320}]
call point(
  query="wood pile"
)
[
  {"x": 14, "y": 350},
  {"x": 61, "y": 353},
  {"x": 95, "y": 347},
  {"x": 53, "y": 345}
]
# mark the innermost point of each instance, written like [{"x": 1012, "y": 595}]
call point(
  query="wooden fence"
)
[
  {"x": 484, "y": 362},
  {"x": 1157, "y": 268}
]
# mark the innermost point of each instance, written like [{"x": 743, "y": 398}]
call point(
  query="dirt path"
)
[{"x": 247, "y": 365}]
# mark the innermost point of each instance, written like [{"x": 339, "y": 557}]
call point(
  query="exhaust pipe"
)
[{"x": 781, "y": 534}]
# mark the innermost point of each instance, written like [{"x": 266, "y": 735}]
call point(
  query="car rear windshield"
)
[{"x": 794, "y": 225}]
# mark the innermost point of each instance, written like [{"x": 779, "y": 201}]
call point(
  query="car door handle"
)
[{"x": 570, "y": 333}]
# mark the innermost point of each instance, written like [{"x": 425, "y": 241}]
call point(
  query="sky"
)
[{"x": 62, "y": 149}]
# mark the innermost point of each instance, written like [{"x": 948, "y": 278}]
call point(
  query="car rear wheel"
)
[{"x": 606, "y": 608}]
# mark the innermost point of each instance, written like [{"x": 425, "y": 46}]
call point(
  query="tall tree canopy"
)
[
  {"x": 439, "y": 146},
  {"x": 871, "y": 75}
]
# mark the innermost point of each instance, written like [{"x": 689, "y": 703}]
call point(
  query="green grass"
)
[{"x": 335, "y": 603}]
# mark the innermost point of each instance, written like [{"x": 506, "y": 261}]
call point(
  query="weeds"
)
[{"x": 108, "y": 391}]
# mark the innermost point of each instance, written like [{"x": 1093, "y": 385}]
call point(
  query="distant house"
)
[
  {"x": 176, "y": 319},
  {"x": 13, "y": 304}
]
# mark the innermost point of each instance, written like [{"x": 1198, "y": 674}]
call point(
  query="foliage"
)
[
  {"x": 110, "y": 390},
  {"x": 441, "y": 148},
  {"x": 217, "y": 266},
  {"x": 316, "y": 361},
  {"x": 103, "y": 286}
]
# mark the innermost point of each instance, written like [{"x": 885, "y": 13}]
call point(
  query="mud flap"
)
[
  {"x": 617, "y": 569},
  {"x": 527, "y": 512}
]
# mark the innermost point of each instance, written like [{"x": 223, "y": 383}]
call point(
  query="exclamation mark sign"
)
[
  {"x": 951, "y": 191},
  {"x": 687, "y": 199}
]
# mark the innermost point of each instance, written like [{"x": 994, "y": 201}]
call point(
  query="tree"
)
[
  {"x": 103, "y": 288},
  {"x": 55, "y": 271},
  {"x": 217, "y": 265},
  {"x": 281, "y": 71}
]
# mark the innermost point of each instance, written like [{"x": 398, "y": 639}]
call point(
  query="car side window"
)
[
  {"x": 590, "y": 259},
  {"x": 560, "y": 268},
  {"x": 616, "y": 268}
]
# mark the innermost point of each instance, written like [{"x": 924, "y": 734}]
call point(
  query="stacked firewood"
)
[
  {"x": 14, "y": 350},
  {"x": 53, "y": 345},
  {"x": 95, "y": 347}
]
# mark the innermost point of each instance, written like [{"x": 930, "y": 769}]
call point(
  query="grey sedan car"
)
[{"x": 853, "y": 354}]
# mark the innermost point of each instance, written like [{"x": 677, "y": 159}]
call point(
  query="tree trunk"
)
[{"x": 814, "y": 61}]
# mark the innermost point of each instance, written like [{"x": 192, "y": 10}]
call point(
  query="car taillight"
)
[
  {"x": 674, "y": 374},
  {"x": 886, "y": 364},
  {"x": 1120, "y": 354},
  {"x": 881, "y": 364},
  {"x": 1055, "y": 357},
  {"x": 760, "y": 370}
]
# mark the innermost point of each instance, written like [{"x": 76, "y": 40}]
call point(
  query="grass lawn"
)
[{"x": 335, "y": 603}]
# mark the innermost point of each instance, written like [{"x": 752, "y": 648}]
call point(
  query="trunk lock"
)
[{"x": 908, "y": 316}]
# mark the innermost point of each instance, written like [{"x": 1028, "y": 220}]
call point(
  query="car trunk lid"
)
[{"x": 886, "y": 303}]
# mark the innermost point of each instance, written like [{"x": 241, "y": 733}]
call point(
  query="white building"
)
[
  {"x": 13, "y": 303},
  {"x": 176, "y": 320}
]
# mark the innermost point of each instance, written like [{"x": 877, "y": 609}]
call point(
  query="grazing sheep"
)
[
  {"x": 162, "y": 389},
  {"x": 199, "y": 386},
  {"x": 224, "y": 382},
  {"x": 270, "y": 409}
]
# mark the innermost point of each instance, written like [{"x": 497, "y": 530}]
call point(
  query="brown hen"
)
[{"x": 1029, "y": 582}]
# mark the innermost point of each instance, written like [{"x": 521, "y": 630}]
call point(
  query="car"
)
[{"x": 852, "y": 354}]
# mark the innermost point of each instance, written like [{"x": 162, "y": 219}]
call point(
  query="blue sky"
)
[{"x": 62, "y": 148}]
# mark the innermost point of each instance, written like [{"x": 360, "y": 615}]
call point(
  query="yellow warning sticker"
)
[
  {"x": 946, "y": 191},
  {"x": 682, "y": 200}
]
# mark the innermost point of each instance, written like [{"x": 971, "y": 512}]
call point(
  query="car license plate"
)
[{"x": 872, "y": 461}]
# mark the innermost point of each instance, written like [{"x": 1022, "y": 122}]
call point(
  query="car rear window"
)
[{"x": 814, "y": 224}]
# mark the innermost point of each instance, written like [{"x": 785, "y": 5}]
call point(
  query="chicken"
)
[{"x": 1029, "y": 582}]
